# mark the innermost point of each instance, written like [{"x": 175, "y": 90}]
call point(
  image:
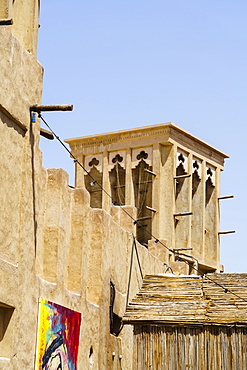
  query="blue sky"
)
[{"x": 126, "y": 64}]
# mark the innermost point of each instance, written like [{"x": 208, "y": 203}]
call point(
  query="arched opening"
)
[
  {"x": 93, "y": 184},
  {"x": 142, "y": 181},
  {"x": 117, "y": 181}
]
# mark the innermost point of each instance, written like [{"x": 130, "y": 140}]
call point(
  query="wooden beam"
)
[
  {"x": 151, "y": 172},
  {"x": 226, "y": 232},
  {"x": 51, "y": 108},
  {"x": 183, "y": 214},
  {"x": 151, "y": 209},
  {"x": 6, "y": 22},
  {"x": 47, "y": 134},
  {"x": 182, "y": 176},
  {"x": 226, "y": 197}
]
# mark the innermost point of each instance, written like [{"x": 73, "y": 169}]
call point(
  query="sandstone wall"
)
[
  {"x": 52, "y": 244},
  {"x": 68, "y": 254},
  {"x": 79, "y": 251}
]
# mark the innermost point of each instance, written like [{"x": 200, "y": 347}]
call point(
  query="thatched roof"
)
[{"x": 167, "y": 299}]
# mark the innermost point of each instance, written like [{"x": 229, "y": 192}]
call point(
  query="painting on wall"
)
[{"x": 58, "y": 337}]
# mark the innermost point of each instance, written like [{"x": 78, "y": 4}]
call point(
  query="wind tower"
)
[{"x": 169, "y": 177}]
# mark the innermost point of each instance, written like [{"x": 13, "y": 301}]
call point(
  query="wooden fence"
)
[{"x": 158, "y": 347}]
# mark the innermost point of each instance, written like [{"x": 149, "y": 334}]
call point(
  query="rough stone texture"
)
[
  {"x": 92, "y": 251},
  {"x": 21, "y": 86},
  {"x": 4, "y": 9},
  {"x": 25, "y": 14},
  {"x": 21, "y": 78}
]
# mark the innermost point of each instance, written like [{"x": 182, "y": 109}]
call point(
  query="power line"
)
[{"x": 226, "y": 290}]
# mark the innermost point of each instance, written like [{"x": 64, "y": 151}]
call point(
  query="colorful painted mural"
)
[{"x": 58, "y": 337}]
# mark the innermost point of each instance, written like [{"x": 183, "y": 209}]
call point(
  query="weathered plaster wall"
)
[
  {"x": 52, "y": 244},
  {"x": 21, "y": 78},
  {"x": 21, "y": 86},
  {"x": 24, "y": 15},
  {"x": 80, "y": 250}
]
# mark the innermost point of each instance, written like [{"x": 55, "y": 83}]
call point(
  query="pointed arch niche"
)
[
  {"x": 117, "y": 176},
  {"x": 142, "y": 183},
  {"x": 182, "y": 195},
  {"x": 197, "y": 208},
  {"x": 181, "y": 169},
  {"x": 211, "y": 213},
  {"x": 93, "y": 181}
]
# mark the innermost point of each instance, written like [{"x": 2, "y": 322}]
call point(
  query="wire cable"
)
[
  {"x": 226, "y": 290},
  {"x": 137, "y": 256}
]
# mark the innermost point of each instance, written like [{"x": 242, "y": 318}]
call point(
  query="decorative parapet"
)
[
  {"x": 115, "y": 157},
  {"x": 94, "y": 160},
  {"x": 144, "y": 153}
]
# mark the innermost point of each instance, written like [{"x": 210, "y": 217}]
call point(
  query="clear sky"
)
[{"x": 130, "y": 63}]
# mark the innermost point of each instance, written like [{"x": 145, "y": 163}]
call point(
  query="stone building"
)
[
  {"x": 74, "y": 246},
  {"x": 171, "y": 177}
]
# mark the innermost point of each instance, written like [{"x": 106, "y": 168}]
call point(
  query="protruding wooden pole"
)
[
  {"x": 151, "y": 172},
  {"x": 6, "y": 22},
  {"x": 226, "y": 232},
  {"x": 182, "y": 176},
  {"x": 183, "y": 214},
  {"x": 51, "y": 108},
  {"x": 226, "y": 197},
  {"x": 151, "y": 209},
  {"x": 47, "y": 134}
]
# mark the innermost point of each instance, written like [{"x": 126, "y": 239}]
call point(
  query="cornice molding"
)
[
  {"x": 108, "y": 139},
  {"x": 173, "y": 134}
]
